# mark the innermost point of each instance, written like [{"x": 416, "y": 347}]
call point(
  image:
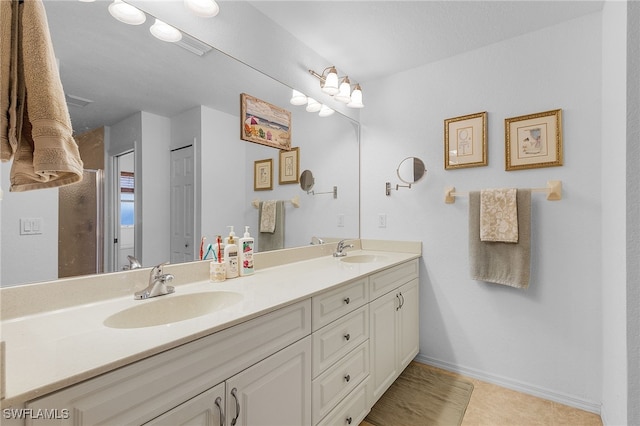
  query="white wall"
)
[{"x": 545, "y": 340}]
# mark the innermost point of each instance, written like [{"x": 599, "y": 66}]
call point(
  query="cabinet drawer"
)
[
  {"x": 385, "y": 281},
  {"x": 145, "y": 389},
  {"x": 331, "y": 305},
  {"x": 352, "y": 410},
  {"x": 339, "y": 338},
  {"x": 334, "y": 385}
]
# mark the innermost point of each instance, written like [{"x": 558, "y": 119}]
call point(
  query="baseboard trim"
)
[{"x": 591, "y": 406}]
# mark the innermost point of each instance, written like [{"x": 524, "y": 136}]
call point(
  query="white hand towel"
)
[{"x": 499, "y": 215}]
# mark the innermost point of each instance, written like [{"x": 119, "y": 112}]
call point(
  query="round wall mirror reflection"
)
[
  {"x": 306, "y": 180},
  {"x": 411, "y": 170}
]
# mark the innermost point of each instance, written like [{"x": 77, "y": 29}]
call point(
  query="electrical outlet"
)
[
  {"x": 382, "y": 220},
  {"x": 340, "y": 221}
]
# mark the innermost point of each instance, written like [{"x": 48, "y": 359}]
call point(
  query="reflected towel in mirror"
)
[{"x": 272, "y": 240}]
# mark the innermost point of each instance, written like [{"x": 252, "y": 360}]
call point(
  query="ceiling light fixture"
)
[
  {"x": 329, "y": 84},
  {"x": 165, "y": 32},
  {"x": 127, "y": 13},
  {"x": 203, "y": 8}
]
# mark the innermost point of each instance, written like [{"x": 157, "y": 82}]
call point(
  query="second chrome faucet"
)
[{"x": 157, "y": 284}]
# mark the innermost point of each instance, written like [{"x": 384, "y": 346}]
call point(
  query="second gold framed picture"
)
[
  {"x": 465, "y": 141},
  {"x": 289, "y": 166},
  {"x": 534, "y": 140},
  {"x": 263, "y": 175}
]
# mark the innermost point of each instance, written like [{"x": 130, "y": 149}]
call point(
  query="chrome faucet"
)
[
  {"x": 341, "y": 246},
  {"x": 157, "y": 284},
  {"x": 316, "y": 241},
  {"x": 133, "y": 263}
]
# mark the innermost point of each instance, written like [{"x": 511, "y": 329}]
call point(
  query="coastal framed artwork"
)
[
  {"x": 289, "y": 166},
  {"x": 264, "y": 123},
  {"x": 263, "y": 175},
  {"x": 533, "y": 141},
  {"x": 465, "y": 141}
]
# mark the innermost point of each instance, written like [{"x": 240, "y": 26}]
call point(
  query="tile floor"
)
[{"x": 493, "y": 405}]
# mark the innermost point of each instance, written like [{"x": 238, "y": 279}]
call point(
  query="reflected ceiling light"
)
[
  {"x": 325, "y": 111},
  {"x": 345, "y": 91},
  {"x": 297, "y": 98},
  {"x": 165, "y": 32},
  {"x": 204, "y": 8},
  {"x": 126, "y": 13},
  {"x": 313, "y": 105},
  {"x": 356, "y": 98}
]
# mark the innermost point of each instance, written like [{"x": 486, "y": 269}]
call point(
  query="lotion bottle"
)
[
  {"x": 246, "y": 253},
  {"x": 231, "y": 257},
  {"x": 232, "y": 235}
]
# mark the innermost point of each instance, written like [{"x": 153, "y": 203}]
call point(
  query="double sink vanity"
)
[{"x": 309, "y": 339}]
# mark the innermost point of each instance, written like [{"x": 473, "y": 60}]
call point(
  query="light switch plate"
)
[{"x": 31, "y": 226}]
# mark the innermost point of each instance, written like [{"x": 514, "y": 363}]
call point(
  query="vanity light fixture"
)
[
  {"x": 127, "y": 13},
  {"x": 313, "y": 105},
  {"x": 329, "y": 84},
  {"x": 203, "y": 8},
  {"x": 297, "y": 98},
  {"x": 165, "y": 32}
]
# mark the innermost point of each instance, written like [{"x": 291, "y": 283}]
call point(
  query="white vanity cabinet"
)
[
  {"x": 261, "y": 348},
  {"x": 393, "y": 324},
  {"x": 206, "y": 409}
]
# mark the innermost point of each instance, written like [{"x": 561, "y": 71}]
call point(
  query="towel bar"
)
[
  {"x": 553, "y": 191},
  {"x": 295, "y": 201}
]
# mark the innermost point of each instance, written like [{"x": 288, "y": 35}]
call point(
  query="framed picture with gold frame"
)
[
  {"x": 263, "y": 175},
  {"x": 465, "y": 141},
  {"x": 533, "y": 141},
  {"x": 289, "y": 166}
]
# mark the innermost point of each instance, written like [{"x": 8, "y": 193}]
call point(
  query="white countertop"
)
[{"x": 50, "y": 350}]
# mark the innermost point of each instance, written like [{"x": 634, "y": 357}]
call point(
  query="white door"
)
[
  {"x": 408, "y": 328},
  {"x": 383, "y": 328},
  {"x": 275, "y": 391},
  {"x": 205, "y": 409},
  {"x": 183, "y": 240}
]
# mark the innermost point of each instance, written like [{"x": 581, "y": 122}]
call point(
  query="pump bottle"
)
[
  {"x": 231, "y": 256},
  {"x": 246, "y": 253}
]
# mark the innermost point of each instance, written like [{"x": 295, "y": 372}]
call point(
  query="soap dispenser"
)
[
  {"x": 231, "y": 235},
  {"x": 246, "y": 253},
  {"x": 231, "y": 256}
]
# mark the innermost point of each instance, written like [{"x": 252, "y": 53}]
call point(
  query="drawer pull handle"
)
[
  {"x": 347, "y": 337},
  {"x": 349, "y": 420},
  {"x": 347, "y": 300},
  {"x": 235, "y": 419},
  {"x": 218, "y": 401},
  {"x": 347, "y": 378}
]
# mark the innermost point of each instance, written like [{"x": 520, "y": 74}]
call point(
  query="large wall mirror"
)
[{"x": 160, "y": 124}]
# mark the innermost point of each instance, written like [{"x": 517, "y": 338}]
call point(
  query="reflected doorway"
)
[
  {"x": 124, "y": 209},
  {"x": 183, "y": 239}
]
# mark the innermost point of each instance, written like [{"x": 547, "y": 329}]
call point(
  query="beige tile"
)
[{"x": 492, "y": 405}]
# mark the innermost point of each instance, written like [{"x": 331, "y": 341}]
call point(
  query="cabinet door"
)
[
  {"x": 202, "y": 410},
  {"x": 382, "y": 328},
  {"x": 408, "y": 324},
  {"x": 275, "y": 391}
]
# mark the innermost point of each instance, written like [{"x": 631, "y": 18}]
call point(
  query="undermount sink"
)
[
  {"x": 362, "y": 258},
  {"x": 171, "y": 308}
]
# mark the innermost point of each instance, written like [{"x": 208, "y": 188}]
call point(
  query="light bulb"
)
[
  {"x": 356, "y": 98},
  {"x": 126, "y": 13},
  {"x": 331, "y": 82},
  {"x": 204, "y": 8},
  {"x": 297, "y": 98},
  {"x": 313, "y": 105},
  {"x": 345, "y": 91},
  {"x": 325, "y": 111},
  {"x": 165, "y": 32}
]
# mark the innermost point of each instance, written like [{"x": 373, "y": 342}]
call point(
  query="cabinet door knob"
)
[
  {"x": 235, "y": 419},
  {"x": 218, "y": 401},
  {"x": 347, "y": 378},
  {"x": 347, "y": 300},
  {"x": 347, "y": 337},
  {"x": 349, "y": 420}
]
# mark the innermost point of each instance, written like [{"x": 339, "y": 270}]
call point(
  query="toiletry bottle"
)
[
  {"x": 231, "y": 234},
  {"x": 246, "y": 253},
  {"x": 231, "y": 257}
]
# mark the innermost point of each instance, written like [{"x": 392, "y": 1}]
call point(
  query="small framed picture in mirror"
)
[
  {"x": 465, "y": 141},
  {"x": 263, "y": 175},
  {"x": 264, "y": 123},
  {"x": 289, "y": 166},
  {"x": 533, "y": 141}
]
